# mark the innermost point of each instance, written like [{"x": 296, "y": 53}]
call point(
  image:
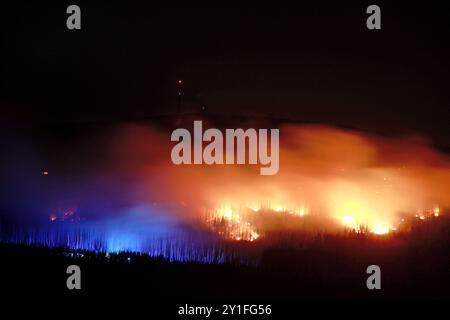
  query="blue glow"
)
[{"x": 135, "y": 230}]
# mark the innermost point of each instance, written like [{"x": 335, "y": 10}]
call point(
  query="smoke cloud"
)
[{"x": 339, "y": 177}]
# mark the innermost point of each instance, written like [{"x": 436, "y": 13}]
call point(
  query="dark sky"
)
[{"x": 314, "y": 61}]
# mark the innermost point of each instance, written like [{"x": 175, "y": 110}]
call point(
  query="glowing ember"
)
[
  {"x": 436, "y": 212},
  {"x": 429, "y": 213},
  {"x": 379, "y": 229},
  {"x": 65, "y": 215}
]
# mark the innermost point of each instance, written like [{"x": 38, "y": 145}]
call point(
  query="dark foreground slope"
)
[{"x": 414, "y": 266}]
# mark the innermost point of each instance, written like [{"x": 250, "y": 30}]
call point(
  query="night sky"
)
[{"x": 312, "y": 62}]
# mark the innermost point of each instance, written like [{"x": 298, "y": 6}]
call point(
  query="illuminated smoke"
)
[
  {"x": 339, "y": 178},
  {"x": 120, "y": 191}
]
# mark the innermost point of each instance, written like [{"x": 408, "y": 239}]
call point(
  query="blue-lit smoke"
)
[
  {"x": 140, "y": 229},
  {"x": 117, "y": 186}
]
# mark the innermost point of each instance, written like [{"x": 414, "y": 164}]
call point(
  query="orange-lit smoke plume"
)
[{"x": 337, "y": 178}]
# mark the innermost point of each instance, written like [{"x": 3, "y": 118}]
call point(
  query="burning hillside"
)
[
  {"x": 329, "y": 180},
  {"x": 344, "y": 179}
]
